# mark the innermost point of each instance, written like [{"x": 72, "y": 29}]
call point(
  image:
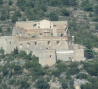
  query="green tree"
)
[
  {"x": 81, "y": 76},
  {"x": 10, "y": 2},
  {"x": 65, "y": 12},
  {"x": 88, "y": 51},
  {"x": 17, "y": 13},
  {"x": 96, "y": 26},
  {"x": 3, "y": 17},
  {"x": 96, "y": 9},
  {"x": 53, "y": 16},
  {"x": 2, "y": 51},
  {"x": 72, "y": 71},
  {"x": 21, "y": 2},
  {"x": 24, "y": 84},
  {"x": 14, "y": 18},
  {"x": 0, "y": 29},
  {"x": 54, "y": 2},
  {"x": 87, "y": 86},
  {"x": 30, "y": 3},
  {"x": 18, "y": 69},
  {"x": 1, "y": 1},
  {"x": 42, "y": 84},
  {"x": 64, "y": 85},
  {"x": 5, "y": 71},
  {"x": 56, "y": 73},
  {"x": 8, "y": 29},
  {"x": 88, "y": 7},
  {"x": 16, "y": 50}
]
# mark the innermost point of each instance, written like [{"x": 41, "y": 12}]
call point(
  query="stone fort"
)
[{"x": 48, "y": 40}]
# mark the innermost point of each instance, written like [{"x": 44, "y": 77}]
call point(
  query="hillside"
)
[{"x": 20, "y": 70}]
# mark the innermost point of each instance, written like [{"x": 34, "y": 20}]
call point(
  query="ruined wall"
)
[
  {"x": 65, "y": 55},
  {"x": 42, "y": 44},
  {"x": 42, "y": 24},
  {"x": 8, "y": 43},
  {"x": 45, "y": 24},
  {"x": 47, "y": 57},
  {"x": 25, "y": 24},
  {"x": 41, "y": 28},
  {"x": 18, "y": 32},
  {"x": 79, "y": 55},
  {"x": 60, "y": 24}
]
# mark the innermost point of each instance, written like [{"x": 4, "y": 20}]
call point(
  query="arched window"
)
[
  {"x": 28, "y": 44},
  {"x": 10, "y": 42},
  {"x": 50, "y": 56},
  {"x": 17, "y": 34},
  {"x": 62, "y": 34},
  {"x": 35, "y": 43},
  {"x": 20, "y": 46},
  {"x": 20, "y": 34},
  {"x": 40, "y": 34},
  {"x": 49, "y": 43},
  {"x": 58, "y": 42}
]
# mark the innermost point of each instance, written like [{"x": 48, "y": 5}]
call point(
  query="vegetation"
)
[
  {"x": 88, "y": 51},
  {"x": 42, "y": 84},
  {"x": 22, "y": 71}
]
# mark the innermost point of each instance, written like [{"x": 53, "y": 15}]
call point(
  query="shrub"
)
[
  {"x": 61, "y": 67},
  {"x": 56, "y": 73},
  {"x": 96, "y": 9},
  {"x": 14, "y": 18},
  {"x": 54, "y": 2},
  {"x": 90, "y": 68},
  {"x": 17, "y": 13},
  {"x": 22, "y": 54},
  {"x": 65, "y": 12},
  {"x": 0, "y": 29},
  {"x": 53, "y": 16},
  {"x": 96, "y": 26},
  {"x": 16, "y": 50},
  {"x": 73, "y": 64},
  {"x": 10, "y": 2},
  {"x": 1, "y": 2},
  {"x": 81, "y": 76},
  {"x": 87, "y": 86},
  {"x": 88, "y": 7},
  {"x": 17, "y": 69},
  {"x": 29, "y": 64},
  {"x": 90, "y": 14},
  {"x": 58, "y": 61},
  {"x": 8, "y": 29},
  {"x": 24, "y": 84},
  {"x": 64, "y": 85},
  {"x": 72, "y": 71},
  {"x": 42, "y": 84},
  {"x": 5, "y": 71},
  {"x": 12, "y": 81},
  {"x": 37, "y": 71}
]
